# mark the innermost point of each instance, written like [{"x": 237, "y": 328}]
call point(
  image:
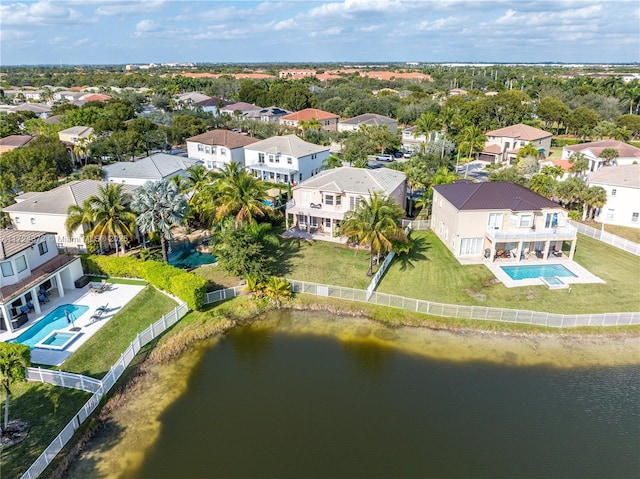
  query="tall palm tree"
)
[
  {"x": 375, "y": 223},
  {"x": 241, "y": 195},
  {"x": 198, "y": 185},
  {"x": 579, "y": 163},
  {"x": 80, "y": 216},
  {"x": 332, "y": 161},
  {"x": 112, "y": 217},
  {"x": 543, "y": 184},
  {"x": 161, "y": 207},
  {"x": 426, "y": 124},
  {"x": 609, "y": 155},
  {"x": 594, "y": 198},
  {"x": 14, "y": 361},
  {"x": 473, "y": 138}
]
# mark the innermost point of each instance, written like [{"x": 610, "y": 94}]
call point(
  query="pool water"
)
[
  {"x": 537, "y": 271},
  {"x": 185, "y": 255},
  {"x": 58, "y": 340},
  {"x": 56, "y": 319}
]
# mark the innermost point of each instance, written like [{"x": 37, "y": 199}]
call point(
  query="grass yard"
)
[
  {"x": 218, "y": 278},
  {"x": 96, "y": 356},
  {"x": 431, "y": 272},
  {"x": 631, "y": 234},
  {"x": 48, "y": 409}
]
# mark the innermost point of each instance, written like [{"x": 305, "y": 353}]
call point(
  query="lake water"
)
[{"x": 281, "y": 401}]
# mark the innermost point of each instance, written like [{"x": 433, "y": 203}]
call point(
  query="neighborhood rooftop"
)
[
  {"x": 497, "y": 195},
  {"x": 288, "y": 145},
  {"x": 356, "y": 180},
  {"x": 154, "y": 167},
  {"x": 14, "y": 241},
  {"x": 625, "y": 150},
  {"x": 520, "y": 131},
  {"x": 308, "y": 114},
  {"x": 624, "y": 175},
  {"x": 227, "y": 138}
]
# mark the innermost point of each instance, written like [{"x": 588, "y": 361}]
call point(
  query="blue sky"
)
[{"x": 160, "y": 31}]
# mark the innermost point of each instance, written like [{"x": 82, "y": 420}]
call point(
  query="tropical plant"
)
[
  {"x": 579, "y": 163},
  {"x": 241, "y": 195},
  {"x": 81, "y": 216},
  {"x": 593, "y": 198},
  {"x": 15, "y": 358},
  {"x": 240, "y": 249},
  {"x": 332, "y": 161},
  {"x": 426, "y": 125},
  {"x": 472, "y": 139},
  {"x": 277, "y": 290},
  {"x": 376, "y": 224},
  {"x": 609, "y": 155},
  {"x": 570, "y": 192},
  {"x": 112, "y": 218},
  {"x": 310, "y": 124},
  {"x": 161, "y": 207},
  {"x": 92, "y": 172}
]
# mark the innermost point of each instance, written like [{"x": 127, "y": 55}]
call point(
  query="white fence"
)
[
  {"x": 608, "y": 238},
  {"x": 99, "y": 388},
  {"x": 482, "y": 313},
  {"x": 222, "y": 294},
  {"x": 385, "y": 264},
  {"x": 417, "y": 225}
]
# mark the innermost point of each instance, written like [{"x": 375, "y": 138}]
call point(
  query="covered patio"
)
[
  {"x": 544, "y": 244},
  {"x": 314, "y": 222}
]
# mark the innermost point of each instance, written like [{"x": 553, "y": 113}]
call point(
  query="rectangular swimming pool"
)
[
  {"x": 59, "y": 318},
  {"x": 58, "y": 340},
  {"x": 538, "y": 271}
]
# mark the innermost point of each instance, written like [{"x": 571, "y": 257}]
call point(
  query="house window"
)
[
  {"x": 43, "y": 248},
  {"x": 471, "y": 246},
  {"x": 7, "y": 269},
  {"x": 551, "y": 221},
  {"x": 17, "y": 220},
  {"x": 277, "y": 158},
  {"x": 33, "y": 221},
  {"x": 610, "y": 214},
  {"x": 353, "y": 202},
  {"x": 314, "y": 156},
  {"x": 21, "y": 263},
  {"x": 313, "y": 221},
  {"x": 300, "y": 175},
  {"x": 289, "y": 160},
  {"x": 223, "y": 151},
  {"x": 495, "y": 221},
  {"x": 260, "y": 157},
  {"x": 634, "y": 217},
  {"x": 327, "y": 222},
  {"x": 613, "y": 192},
  {"x": 525, "y": 221},
  {"x": 200, "y": 147},
  {"x": 207, "y": 149},
  {"x": 210, "y": 165},
  {"x": 328, "y": 200},
  {"x": 214, "y": 150},
  {"x": 513, "y": 220},
  {"x": 270, "y": 158}
]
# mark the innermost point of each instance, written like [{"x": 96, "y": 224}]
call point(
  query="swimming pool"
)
[
  {"x": 56, "y": 319},
  {"x": 58, "y": 340},
  {"x": 538, "y": 271}
]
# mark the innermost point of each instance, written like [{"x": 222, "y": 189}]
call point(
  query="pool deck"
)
[
  {"x": 117, "y": 296},
  {"x": 582, "y": 275}
]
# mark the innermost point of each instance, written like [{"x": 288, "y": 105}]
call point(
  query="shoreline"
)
[{"x": 142, "y": 394}]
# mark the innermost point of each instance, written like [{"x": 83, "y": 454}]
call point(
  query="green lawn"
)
[
  {"x": 631, "y": 234},
  {"x": 48, "y": 409},
  {"x": 218, "y": 278},
  {"x": 96, "y": 356},
  {"x": 431, "y": 272}
]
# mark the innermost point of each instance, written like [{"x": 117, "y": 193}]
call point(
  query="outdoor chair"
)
[{"x": 43, "y": 299}]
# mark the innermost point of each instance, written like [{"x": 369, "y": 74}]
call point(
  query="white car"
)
[{"x": 385, "y": 158}]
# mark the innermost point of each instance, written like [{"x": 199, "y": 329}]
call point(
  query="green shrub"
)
[
  {"x": 189, "y": 287},
  {"x": 562, "y": 142}
]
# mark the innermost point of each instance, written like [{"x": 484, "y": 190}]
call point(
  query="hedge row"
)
[
  {"x": 561, "y": 142},
  {"x": 190, "y": 288}
]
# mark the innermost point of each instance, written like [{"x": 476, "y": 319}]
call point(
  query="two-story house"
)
[
  {"x": 320, "y": 203},
  {"x": 368, "y": 119},
  {"x": 217, "y": 148},
  {"x": 502, "y": 145},
  {"x": 284, "y": 159},
  {"x": 627, "y": 154},
  {"x": 29, "y": 263},
  {"x": 47, "y": 211},
  {"x": 499, "y": 221},
  {"x": 328, "y": 121},
  {"x": 622, "y": 184}
]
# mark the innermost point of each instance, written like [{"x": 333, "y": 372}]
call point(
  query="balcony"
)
[
  {"x": 37, "y": 275},
  {"x": 540, "y": 234}
]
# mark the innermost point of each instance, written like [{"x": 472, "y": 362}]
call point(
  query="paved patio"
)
[{"x": 117, "y": 296}]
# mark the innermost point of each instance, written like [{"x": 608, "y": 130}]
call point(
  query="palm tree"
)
[
  {"x": 609, "y": 155},
  {"x": 473, "y": 138},
  {"x": 80, "y": 216},
  {"x": 242, "y": 196},
  {"x": 277, "y": 289},
  {"x": 161, "y": 207},
  {"x": 543, "y": 184},
  {"x": 14, "y": 361},
  {"x": 112, "y": 217},
  {"x": 332, "y": 161},
  {"x": 310, "y": 124},
  {"x": 594, "y": 198},
  {"x": 376, "y": 224},
  {"x": 579, "y": 163},
  {"x": 426, "y": 124},
  {"x": 198, "y": 186}
]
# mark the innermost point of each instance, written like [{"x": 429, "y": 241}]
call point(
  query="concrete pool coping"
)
[
  {"x": 581, "y": 274},
  {"x": 117, "y": 296}
]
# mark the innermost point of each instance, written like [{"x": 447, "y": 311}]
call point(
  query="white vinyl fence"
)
[
  {"x": 385, "y": 264},
  {"x": 468, "y": 312},
  {"x": 98, "y": 387},
  {"x": 608, "y": 238}
]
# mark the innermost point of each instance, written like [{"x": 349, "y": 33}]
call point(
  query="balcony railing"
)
[
  {"x": 533, "y": 234},
  {"x": 37, "y": 275}
]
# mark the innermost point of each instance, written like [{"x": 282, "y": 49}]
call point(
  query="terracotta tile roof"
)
[
  {"x": 96, "y": 97},
  {"x": 626, "y": 175},
  {"x": 625, "y": 150},
  {"x": 520, "y": 131},
  {"x": 327, "y": 76},
  {"x": 308, "y": 113},
  {"x": 15, "y": 141},
  {"x": 493, "y": 149},
  {"x": 564, "y": 164},
  {"x": 227, "y": 138},
  {"x": 493, "y": 195}
]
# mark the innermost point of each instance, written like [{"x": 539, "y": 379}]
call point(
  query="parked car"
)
[
  {"x": 384, "y": 158},
  {"x": 408, "y": 154},
  {"x": 398, "y": 154}
]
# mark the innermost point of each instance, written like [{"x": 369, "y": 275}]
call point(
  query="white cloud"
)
[
  {"x": 7, "y": 34},
  {"x": 146, "y": 26},
  {"x": 128, "y": 7},
  {"x": 39, "y": 13}
]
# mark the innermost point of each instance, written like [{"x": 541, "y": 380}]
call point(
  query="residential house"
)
[
  {"x": 413, "y": 141},
  {"x": 187, "y": 100},
  {"x": 74, "y": 135},
  {"x": 12, "y": 142},
  {"x": 368, "y": 119},
  {"x": 502, "y": 145},
  {"x": 95, "y": 97},
  {"x": 627, "y": 154},
  {"x": 240, "y": 108},
  {"x": 320, "y": 203},
  {"x": 157, "y": 167},
  {"x": 622, "y": 184},
  {"x": 217, "y": 148},
  {"x": 328, "y": 121},
  {"x": 38, "y": 109},
  {"x": 47, "y": 211},
  {"x": 70, "y": 96},
  {"x": 29, "y": 263},
  {"x": 457, "y": 92},
  {"x": 296, "y": 74},
  {"x": 495, "y": 221},
  {"x": 284, "y": 159},
  {"x": 267, "y": 115},
  {"x": 211, "y": 105}
]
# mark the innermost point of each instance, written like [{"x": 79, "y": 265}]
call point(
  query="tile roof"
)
[
  {"x": 370, "y": 119},
  {"x": 308, "y": 113},
  {"x": 34, "y": 107},
  {"x": 625, "y": 175},
  {"x": 360, "y": 181},
  {"x": 493, "y": 195},
  {"x": 58, "y": 200},
  {"x": 493, "y": 149},
  {"x": 288, "y": 144},
  {"x": 625, "y": 150},
  {"x": 15, "y": 141},
  {"x": 212, "y": 102},
  {"x": 77, "y": 130},
  {"x": 14, "y": 241},
  {"x": 520, "y": 131},
  {"x": 227, "y": 138},
  {"x": 241, "y": 106},
  {"x": 155, "y": 167},
  {"x": 96, "y": 97}
]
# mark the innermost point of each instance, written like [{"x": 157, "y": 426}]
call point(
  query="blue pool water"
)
[
  {"x": 184, "y": 254},
  {"x": 544, "y": 270},
  {"x": 56, "y": 319}
]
